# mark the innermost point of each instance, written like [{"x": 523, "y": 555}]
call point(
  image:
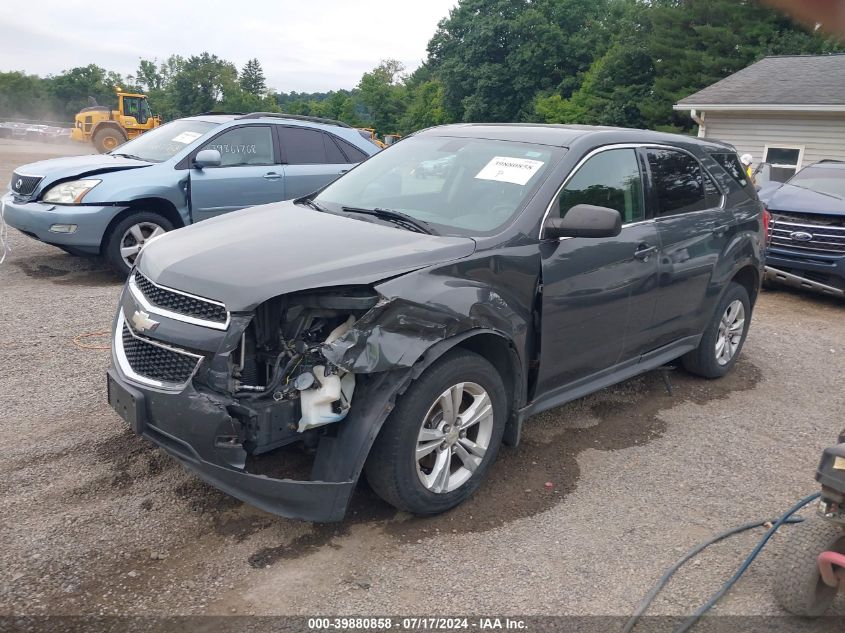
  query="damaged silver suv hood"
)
[{"x": 249, "y": 256}]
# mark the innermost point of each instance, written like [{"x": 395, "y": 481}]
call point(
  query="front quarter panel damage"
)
[{"x": 428, "y": 307}]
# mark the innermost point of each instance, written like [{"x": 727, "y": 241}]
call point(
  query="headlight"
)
[{"x": 70, "y": 192}]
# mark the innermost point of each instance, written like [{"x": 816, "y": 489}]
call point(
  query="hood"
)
[
  {"x": 246, "y": 257},
  {"x": 791, "y": 199},
  {"x": 72, "y": 167}
]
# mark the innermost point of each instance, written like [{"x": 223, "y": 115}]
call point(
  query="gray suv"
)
[
  {"x": 405, "y": 321},
  {"x": 178, "y": 174}
]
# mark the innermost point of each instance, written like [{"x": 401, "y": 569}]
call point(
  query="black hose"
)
[
  {"x": 652, "y": 594},
  {"x": 278, "y": 375}
]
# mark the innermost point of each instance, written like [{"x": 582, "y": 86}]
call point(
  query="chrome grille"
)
[
  {"x": 24, "y": 185},
  {"x": 811, "y": 234},
  {"x": 181, "y": 303},
  {"x": 154, "y": 363}
]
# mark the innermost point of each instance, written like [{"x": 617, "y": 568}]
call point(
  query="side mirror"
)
[
  {"x": 207, "y": 158},
  {"x": 584, "y": 220}
]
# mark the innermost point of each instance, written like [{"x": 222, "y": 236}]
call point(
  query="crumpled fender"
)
[{"x": 397, "y": 332}]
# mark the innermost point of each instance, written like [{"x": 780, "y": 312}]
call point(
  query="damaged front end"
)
[{"x": 259, "y": 410}]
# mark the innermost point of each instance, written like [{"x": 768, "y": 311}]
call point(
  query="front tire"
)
[
  {"x": 798, "y": 587},
  {"x": 127, "y": 237},
  {"x": 107, "y": 139},
  {"x": 724, "y": 336},
  {"x": 439, "y": 442}
]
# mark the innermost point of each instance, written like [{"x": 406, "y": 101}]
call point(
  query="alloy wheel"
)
[
  {"x": 454, "y": 437},
  {"x": 134, "y": 239},
  {"x": 731, "y": 328}
]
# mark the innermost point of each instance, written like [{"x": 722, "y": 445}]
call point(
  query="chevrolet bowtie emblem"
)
[{"x": 142, "y": 322}]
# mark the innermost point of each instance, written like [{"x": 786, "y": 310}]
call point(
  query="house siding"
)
[{"x": 821, "y": 135}]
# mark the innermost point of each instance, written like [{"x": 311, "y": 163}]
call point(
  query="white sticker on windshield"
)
[
  {"x": 506, "y": 169},
  {"x": 186, "y": 137}
]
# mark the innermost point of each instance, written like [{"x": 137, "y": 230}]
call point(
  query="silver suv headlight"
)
[{"x": 70, "y": 192}]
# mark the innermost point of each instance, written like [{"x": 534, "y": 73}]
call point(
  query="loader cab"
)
[{"x": 134, "y": 106}]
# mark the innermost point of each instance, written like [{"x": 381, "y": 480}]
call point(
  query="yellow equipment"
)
[
  {"x": 109, "y": 128},
  {"x": 370, "y": 134}
]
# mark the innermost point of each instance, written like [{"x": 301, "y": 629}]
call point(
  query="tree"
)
[
  {"x": 382, "y": 94},
  {"x": 494, "y": 56},
  {"x": 199, "y": 85},
  {"x": 252, "y": 78}
]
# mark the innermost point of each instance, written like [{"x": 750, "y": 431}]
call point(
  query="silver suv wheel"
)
[
  {"x": 731, "y": 328},
  {"x": 454, "y": 437},
  {"x": 134, "y": 238}
]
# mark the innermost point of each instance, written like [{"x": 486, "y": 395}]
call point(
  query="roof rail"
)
[
  {"x": 295, "y": 117},
  {"x": 218, "y": 112}
]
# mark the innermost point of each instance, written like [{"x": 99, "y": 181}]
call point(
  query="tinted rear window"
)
[
  {"x": 354, "y": 154},
  {"x": 730, "y": 163}
]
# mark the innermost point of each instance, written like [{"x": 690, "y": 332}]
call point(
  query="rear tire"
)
[
  {"x": 426, "y": 459},
  {"x": 126, "y": 238},
  {"x": 723, "y": 337},
  {"x": 107, "y": 139},
  {"x": 798, "y": 587}
]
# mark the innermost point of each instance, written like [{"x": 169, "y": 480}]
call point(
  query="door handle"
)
[
  {"x": 272, "y": 175},
  {"x": 720, "y": 229},
  {"x": 343, "y": 171},
  {"x": 644, "y": 251}
]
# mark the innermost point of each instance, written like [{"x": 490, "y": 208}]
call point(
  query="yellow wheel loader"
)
[{"x": 107, "y": 128}]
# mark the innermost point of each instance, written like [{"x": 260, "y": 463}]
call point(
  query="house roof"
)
[{"x": 790, "y": 82}]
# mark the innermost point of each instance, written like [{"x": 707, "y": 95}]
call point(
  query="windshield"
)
[
  {"x": 824, "y": 179},
  {"x": 166, "y": 141},
  {"x": 458, "y": 186}
]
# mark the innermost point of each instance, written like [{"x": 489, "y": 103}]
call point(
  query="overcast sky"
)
[{"x": 303, "y": 46}]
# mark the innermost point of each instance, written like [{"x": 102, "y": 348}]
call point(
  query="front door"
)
[
  {"x": 597, "y": 293},
  {"x": 248, "y": 173},
  {"x": 694, "y": 231}
]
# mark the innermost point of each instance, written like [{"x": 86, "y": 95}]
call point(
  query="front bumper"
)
[
  {"x": 186, "y": 424},
  {"x": 35, "y": 219},
  {"x": 821, "y": 273}
]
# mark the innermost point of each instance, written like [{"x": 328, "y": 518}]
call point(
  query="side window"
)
[
  {"x": 302, "y": 146},
  {"x": 679, "y": 183},
  {"x": 250, "y": 145},
  {"x": 608, "y": 179},
  {"x": 333, "y": 153},
  {"x": 354, "y": 154}
]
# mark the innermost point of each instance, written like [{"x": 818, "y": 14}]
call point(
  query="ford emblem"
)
[{"x": 800, "y": 236}]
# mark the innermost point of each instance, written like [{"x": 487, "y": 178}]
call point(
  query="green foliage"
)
[
  {"x": 252, "y": 78},
  {"x": 607, "y": 62}
]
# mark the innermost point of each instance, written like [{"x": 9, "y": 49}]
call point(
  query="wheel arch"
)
[
  {"x": 110, "y": 125},
  {"x": 163, "y": 207},
  {"x": 501, "y": 352},
  {"x": 749, "y": 278}
]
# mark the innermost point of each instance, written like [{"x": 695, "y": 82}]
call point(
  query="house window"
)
[{"x": 785, "y": 161}]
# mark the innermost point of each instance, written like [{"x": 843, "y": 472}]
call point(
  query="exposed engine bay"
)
[{"x": 284, "y": 385}]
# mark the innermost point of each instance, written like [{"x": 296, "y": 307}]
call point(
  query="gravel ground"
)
[{"x": 98, "y": 522}]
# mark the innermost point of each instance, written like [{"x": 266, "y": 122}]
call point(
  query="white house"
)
[{"x": 787, "y": 110}]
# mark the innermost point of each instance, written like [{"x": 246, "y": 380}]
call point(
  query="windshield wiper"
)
[
  {"x": 311, "y": 203},
  {"x": 397, "y": 217}
]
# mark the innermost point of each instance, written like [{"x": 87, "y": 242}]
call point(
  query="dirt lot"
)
[{"x": 96, "y": 521}]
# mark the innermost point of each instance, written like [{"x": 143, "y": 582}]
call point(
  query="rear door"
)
[
  {"x": 312, "y": 159},
  {"x": 694, "y": 229},
  {"x": 597, "y": 293},
  {"x": 249, "y": 173}
]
